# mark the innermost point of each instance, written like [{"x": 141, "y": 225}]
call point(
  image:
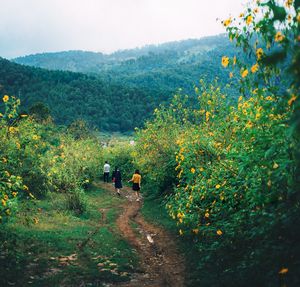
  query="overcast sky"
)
[{"x": 35, "y": 26}]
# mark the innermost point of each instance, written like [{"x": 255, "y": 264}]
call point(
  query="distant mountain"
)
[
  {"x": 119, "y": 91},
  {"x": 71, "y": 96},
  {"x": 165, "y": 67},
  {"x": 82, "y": 61}
]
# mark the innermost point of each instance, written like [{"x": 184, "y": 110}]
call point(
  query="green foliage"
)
[
  {"x": 125, "y": 87},
  {"x": 37, "y": 158},
  {"x": 237, "y": 196},
  {"x": 105, "y": 105},
  {"x": 121, "y": 154},
  {"x": 76, "y": 201},
  {"x": 40, "y": 112}
]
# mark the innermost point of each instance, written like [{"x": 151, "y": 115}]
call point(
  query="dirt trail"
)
[{"x": 160, "y": 263}]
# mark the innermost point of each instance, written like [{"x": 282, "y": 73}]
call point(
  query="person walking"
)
[
  {"x": 106, "y": 170},
  {"x": 136, "y": 183},
  {"x": 118, "y": 180}
]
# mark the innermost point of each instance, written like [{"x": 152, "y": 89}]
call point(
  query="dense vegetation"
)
[
  {"x": 71, "y": 96},
  {"x": 227, "y": 174},
  {"x": 125, "y": 86},
  {"x": 165, "y": 67}
]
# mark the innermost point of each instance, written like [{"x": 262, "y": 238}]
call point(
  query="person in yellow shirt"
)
[{"x": 136, "y": 183}]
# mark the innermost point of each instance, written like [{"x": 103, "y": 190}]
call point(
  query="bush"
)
[
  {"x": 76, "y": 201},
  {"x": 120, "y": 154}
]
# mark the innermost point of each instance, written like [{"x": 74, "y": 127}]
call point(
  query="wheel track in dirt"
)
[{"x": 161, "y": 265}]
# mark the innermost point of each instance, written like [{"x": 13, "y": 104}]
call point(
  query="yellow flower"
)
[
  {"x": 298, "y": 17},
  {"x": 218, "y": 186},
  {"x": 230, "y": 75},
  {"x": 279, "y": 37},
  {"x": 180, "y": 232},
  {"x": 196, "y": 230},
  {"x": 11, "y": 129},
  {"x": 206, "y": 215},
  {"x": 269, "y": 98},
  {"x": 219, "y": 232},
  {"x": 35, "y": 137},
  {"x": 292, "y": 100},
  {"x": 244, "y": 73},
  {"x": 209, "y": 102},
  {"x": 249, "y": 125},
  {"x": 257, "y": 116},
  {"x": 241, "y": 15},
  {"x": 259, "y": 53},
  {"x": 207, "y": 114},
  {"x": 234, "y": 60},
  {"x": 275, "y": 165},
  {"x": 5, "y": 98},
  {"x": 227, "y": 22},
  {"x": 14, "y": 194},
  {"x": 35, "y": 220},
  {"x": 193, "y": 170},
  {"x": 23, "y": 116},
  {"x": 249, "y": 20},
  {"x": 254, "y": 68},
  {"x": 256, "y": 10},
  {"x": 4, "y": 160},
  {"x": 283, "y": 271},
  {"x": 225, "y": 61},
  {"x": 1, "y": 115},
  {"x": 269, "y": 183},
  {"x": 240, "y": 98},
  {"x": 3, "y": 202},
  {"x": 289, "y": 3},
  {"x": 7, "y": 173}
]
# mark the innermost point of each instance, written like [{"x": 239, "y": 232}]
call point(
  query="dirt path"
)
[{"x": 160, "y": 263}]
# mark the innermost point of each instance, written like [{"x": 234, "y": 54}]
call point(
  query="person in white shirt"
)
[{"x": 106, "y": 170}]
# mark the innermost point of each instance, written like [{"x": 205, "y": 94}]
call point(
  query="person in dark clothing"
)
[{"x": 118, "y": 180}]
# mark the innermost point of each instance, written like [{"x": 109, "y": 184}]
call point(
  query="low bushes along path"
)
[{"x": 160, "y": 262}]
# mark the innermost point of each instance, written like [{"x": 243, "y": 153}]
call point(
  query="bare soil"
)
[{"x": 161, "y": 265}]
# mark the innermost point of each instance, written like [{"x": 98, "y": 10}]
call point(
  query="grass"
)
[{"x": 63, "y": 249}]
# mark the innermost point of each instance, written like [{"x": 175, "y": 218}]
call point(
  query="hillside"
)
[
  {"x": 84, "y": 61},
  {"x": 115, "y": 92},
  {"x": 70, "y": 96},
  {"x": 165, "y": 67}
]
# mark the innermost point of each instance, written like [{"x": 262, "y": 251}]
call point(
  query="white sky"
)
[{"x": 35, "y": 26}]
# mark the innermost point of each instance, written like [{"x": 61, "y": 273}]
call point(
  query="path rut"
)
[{"x": 161, "y": 265}]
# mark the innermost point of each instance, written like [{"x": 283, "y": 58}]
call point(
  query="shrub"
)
[{"x": 76, "y": 201}]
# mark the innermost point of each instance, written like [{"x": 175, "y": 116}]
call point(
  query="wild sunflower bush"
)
[
  {"x": 236, "y": 162},
  {"x": 37, "y": 158},
  {"x": 71, "y": 164},
  {"x": 12, "y": 184},
  {"x": 157, "y": 145}
]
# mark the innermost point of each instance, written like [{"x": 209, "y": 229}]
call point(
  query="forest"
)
[
  {"x": 71, "y": 96},
  {"x": 219, "y": 161}
]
